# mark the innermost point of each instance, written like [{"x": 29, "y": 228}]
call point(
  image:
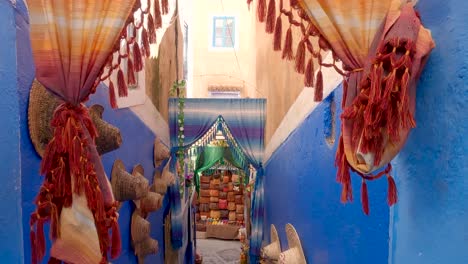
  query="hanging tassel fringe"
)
[
  {"x": 112, "y": 97},
  {"x": 137, "y": 57},
  {"x": 157, "y": 14},
  {"x": 318, "y": 95},
  {"x": 270, "y": 22},
  {"x": 287, "y": 50},
  {"x": 300, "y": 57},
  {"x": 261, "y": 10},
  {"x": 165, "y": 6},
  {"x": 151, "y": 29},
  {"x": 122, "y": 85},
  {"x": 146, "y": 44},
  {"x": 116, "y": 242},
  {"x": 131, "y": 72},
  {"x": 364, "y": 197},
  {"x": 392, "y": 197},
  {"x": 277, "y": 35},
  {"x": 309, "y": 74}
]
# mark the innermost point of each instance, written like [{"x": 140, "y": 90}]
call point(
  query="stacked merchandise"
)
[{"x": 220, "y": 201}]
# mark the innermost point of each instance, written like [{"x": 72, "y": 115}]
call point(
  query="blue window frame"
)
[{"x": 223, "y": 32}]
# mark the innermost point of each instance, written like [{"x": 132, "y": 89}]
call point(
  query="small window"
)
[
  {"x": 223, "y": 32},
  {"x": 219, "y": 94}
]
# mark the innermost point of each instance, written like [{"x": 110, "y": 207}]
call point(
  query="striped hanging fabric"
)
[
  {"x": 133, "y": 47},
  {"x": 71, "y": 43},
  {"x": 383, "y": 48}
]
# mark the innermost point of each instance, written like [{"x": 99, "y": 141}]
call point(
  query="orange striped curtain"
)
[{"x": 71, "y": 42}]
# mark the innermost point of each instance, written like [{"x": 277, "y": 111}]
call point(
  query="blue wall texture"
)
[
  {"x": 11, "y": 238},
  {"x": 300, "y": 189},
  {"x": 430, "y": 222},
  {"x": 20, "y": 162}
]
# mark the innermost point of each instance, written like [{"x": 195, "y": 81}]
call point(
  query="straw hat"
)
[
  {"x": 139, "y": 228},
  {"x": 42, "y": 105},
  {"x": 294, "y": 255},
  {"x": 126, "y": 186},
  {"x": 161, "y": 152},
  {"x": 146, "y": 247},
  {"x": 273, "y": 250},
  {"x": 150, "y": 203},
  {"x": 109, "y": 137}
]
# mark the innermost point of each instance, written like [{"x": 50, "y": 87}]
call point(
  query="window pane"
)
[
  {"x": 219, "y": 32},
  {"x": 228, "y": 42},
  {"x": 219, "y": 42},
  {"x": 219, "y": 22}
]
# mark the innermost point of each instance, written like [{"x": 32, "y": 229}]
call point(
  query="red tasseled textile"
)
[
  {"x": 381, "y": 110},
  {"x": 67, "y": 155}
]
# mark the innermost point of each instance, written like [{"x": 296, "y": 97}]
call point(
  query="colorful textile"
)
[
  {"x": 71, "y": 42},
  {"x": 244, "y": 118},
  {"x": 383, "y": 48}
]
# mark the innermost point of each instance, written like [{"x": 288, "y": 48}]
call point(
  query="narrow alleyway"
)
[{"x": 215, "y": 251}]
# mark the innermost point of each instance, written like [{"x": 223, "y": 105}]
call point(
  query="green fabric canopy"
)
[{"x": 209, "y": 157}]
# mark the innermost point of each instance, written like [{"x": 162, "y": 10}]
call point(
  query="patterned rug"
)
[{"x": 216, "y": 251}]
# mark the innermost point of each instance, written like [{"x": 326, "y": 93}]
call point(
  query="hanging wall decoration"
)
[
  {"x": 70, "y": 58},
  {"x": 382, "y": 62},
  {"x": 42, "y": 105}
]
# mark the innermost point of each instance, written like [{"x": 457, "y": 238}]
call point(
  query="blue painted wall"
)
[
  {"x": 21, "y": 163},
  {"x": 11, "y": 233},
  {"x": 300, "y": 189},
  {"x": 430, "y": 222}
]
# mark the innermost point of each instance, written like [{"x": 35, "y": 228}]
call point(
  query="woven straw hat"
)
[
  {"x": 109, "y": 137},
  {"x": 295, "y": 254},
  {"x": 126, "y": 186},
  {"x": 42, "y": 105},
  {"x": 150, "y": 203},
  {"x": 146, "y": 247},
  {"x": 273, "y": 250},
  {"x": 161, "y": 152},
  {"x": 140, "y": 228}
]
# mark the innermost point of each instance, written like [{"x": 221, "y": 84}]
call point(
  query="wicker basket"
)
[
  {"x": 231, "y": 197},
  {"x": 231, "y": 206},
  {"x": 232, "y": 216},
  {"x": 226, "y": 179},
  {"x": 230, "y": 186},
  {"x": 205, "y": 186},
  {"x": 238, "y": 199},
  {"x": 204, "y": 207},
  {"x": 205, "y": 193},
  {"x": 222, "y": 204},
  {"x": 222, "y": 195},
  {"x": 216, "y": 214},
  {"x": 240, "y": 217},
  {"x": 205, "y": 179},
  {"x": 216, "y": 181},
  {"x": 204, "y": 200},
  {"x": 239, "y": 208},
  {"x": 214, "y": 199},
  {"x": 214, "y": 193},
  {"x": 214, "y": 185},
  {"x": 214, "y": 206},
  {"x": 224, "y": 214}
]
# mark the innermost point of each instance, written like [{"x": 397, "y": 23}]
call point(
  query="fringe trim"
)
[{"x": 66, "y": 155}]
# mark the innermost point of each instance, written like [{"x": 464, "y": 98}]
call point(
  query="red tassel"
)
[
  {"x": 138, "y": 63},
  {"x": 293, "y": 3},
  {"x": 122, "y": 85},
  {"x": 318, "y": 95},
  {"x": 270, "y": 23},
  {"x": 112, "y": 98},
  {"x": 300, "y": 57},
  {"x": 116, "y": 241},
  {"x": 287, "y": 51},
  {"x": 261, "y": 10},
  {"x": 364, "y": 197},
  {"x": 309, "y": 74},
  {"x": 157, "y": 14},
  {"x": 130, "y": 72},
  {"x": 146, "y": 44},
  {"x": 151, "y": 29},
  {"x": 277, "y": 35},
  {"x": 165, "y": 7},
  {"x": 392, "y": 192},
  {"x": 40, "y": 242}
]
